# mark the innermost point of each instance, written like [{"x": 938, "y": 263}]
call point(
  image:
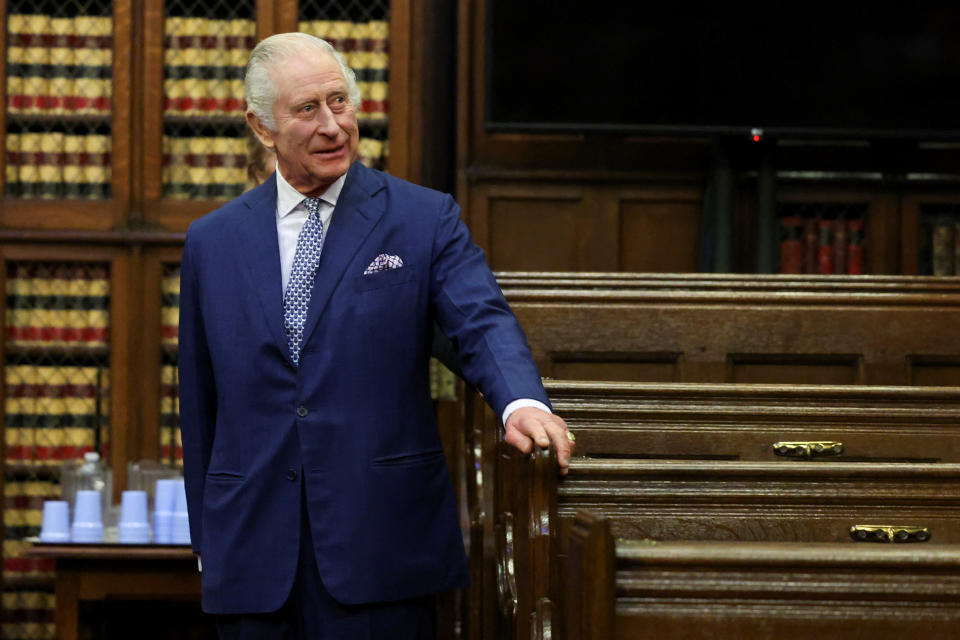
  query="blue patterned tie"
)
[{"x": 296, "y": 298}]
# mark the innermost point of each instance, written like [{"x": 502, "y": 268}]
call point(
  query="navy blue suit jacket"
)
[{"x": 355, "y": 419}]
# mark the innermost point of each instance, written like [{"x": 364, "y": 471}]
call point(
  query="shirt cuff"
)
[{"x": 520, "y": 403}]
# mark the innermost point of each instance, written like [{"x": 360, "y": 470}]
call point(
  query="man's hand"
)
[{"x": 529, "y": 425}]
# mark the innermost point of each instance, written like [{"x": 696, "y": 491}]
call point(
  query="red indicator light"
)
[{"x": 756, "y": 138}]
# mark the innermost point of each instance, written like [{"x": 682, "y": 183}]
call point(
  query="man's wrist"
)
[{"x": 519, "y": 404}]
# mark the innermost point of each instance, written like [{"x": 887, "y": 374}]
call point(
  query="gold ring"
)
[{"x": 572, "y": 438}]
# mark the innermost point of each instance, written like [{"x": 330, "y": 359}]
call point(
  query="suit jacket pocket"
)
[
  {"x": 409, "y": 458},
  {"x": 389, "y": 278},
  {"x": 225, "y": 476}
]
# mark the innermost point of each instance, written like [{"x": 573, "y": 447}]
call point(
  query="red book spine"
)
[
  {"x": 855, "y": 249},
  {"x": 791, "y": 247},
  {"x": 840, "y": 246},
  {"x": 810, "y": 245},
  {"x": 825, "y": 248}
]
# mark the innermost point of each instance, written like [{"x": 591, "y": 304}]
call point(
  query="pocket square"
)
[{"x": 383, "y": 262}]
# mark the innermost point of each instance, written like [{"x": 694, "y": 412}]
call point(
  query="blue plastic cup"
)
[
  {"x": 134, "y": 527},
  {"x": 56, "y": 521},
  {"x": 165, "y": 500},
  {"x": 181, "y": 521},
  {"x": 87, "y": 518}
]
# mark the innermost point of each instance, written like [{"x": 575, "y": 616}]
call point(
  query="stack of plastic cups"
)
[
  {"x": 134, "y": 528},
  {"x": 164, "y": 502},
  {"x": 181, "y": 521},
  {"x": 87, "y": 518},
  {"x": 56, "y": 521}
]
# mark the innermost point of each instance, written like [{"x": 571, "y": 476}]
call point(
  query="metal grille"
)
[
  {"x": 206, "y": 46},
  {"x": 59, "y": 91},
  {"x": 360, "y": 30},
  {"x": 57, "y": 387},
  {"x": 823, "y": 237},
  {"x": 171, "y": 447},
  {"x": 939, "y": 250}
]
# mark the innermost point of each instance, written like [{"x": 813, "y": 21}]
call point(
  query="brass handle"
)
[
  {"x": 888, "y": 533},
  {"x": 815, "y": 449}
]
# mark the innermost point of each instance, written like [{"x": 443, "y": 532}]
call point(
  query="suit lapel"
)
[
  {"x": 261, "y": 255},
  {"x": 354, "y": 217}
]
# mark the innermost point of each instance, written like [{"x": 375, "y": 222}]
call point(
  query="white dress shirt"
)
[{"x": 292, "y": 213}]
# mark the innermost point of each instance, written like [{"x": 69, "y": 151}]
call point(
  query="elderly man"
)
[{"x": 319, "y": 498}]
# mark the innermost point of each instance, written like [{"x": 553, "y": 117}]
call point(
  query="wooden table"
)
[{"x": 104, "y": 572}]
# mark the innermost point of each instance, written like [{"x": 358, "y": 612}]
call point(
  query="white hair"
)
[{"x": 258, "y": 80}]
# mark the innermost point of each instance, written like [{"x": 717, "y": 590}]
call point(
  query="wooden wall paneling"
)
[
  {"x": 267, "y": 14},
  {"x": 124, "y": 316},
  {"x": 152, "y": 117},
  {"x": 659, "y": 229},
  {"x": 882, "y": 231},
  {"x": 286, "y": 17},
  {"x": 795, "y": 368},
  {"x": 909, "y": 236},
  {"x": 422, "y": 52},
  {"x": 932, "y": 370},
  {"x": 405, "y": 55},
  {"x": 121, "y": 125},
  {"x": 528, "y": 226}
]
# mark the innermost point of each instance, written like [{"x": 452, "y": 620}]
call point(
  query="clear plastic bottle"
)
[{"x": 92, "y": 474}]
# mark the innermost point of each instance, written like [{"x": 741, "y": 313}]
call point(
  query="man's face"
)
[{"x": 317, "y": 135}]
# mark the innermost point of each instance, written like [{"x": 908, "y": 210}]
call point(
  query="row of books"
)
[
  {"x": 204, "y": 61},
  {"x": 821, "y": 246},
  {"x": 57, "y": 305},
  {"x": 171, "y": 444},
  {"x": 942, "y": 245},
  {"x": 216, "y": 167},
  {"x": 59, "y": 66},
  {"x": 54, "y": 406},
  {"x": 366, "y": 46},
  {"x": 58, "y": 165}
]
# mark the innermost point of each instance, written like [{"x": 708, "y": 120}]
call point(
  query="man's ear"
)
[{"x": 263, "y": 133}]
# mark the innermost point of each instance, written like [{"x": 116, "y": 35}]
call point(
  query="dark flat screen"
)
[{"x": 848, "y": 69}]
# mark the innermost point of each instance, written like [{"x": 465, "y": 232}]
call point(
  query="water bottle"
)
[{"x": 92, "y": 474}]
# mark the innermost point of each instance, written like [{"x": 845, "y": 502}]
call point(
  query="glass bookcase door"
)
[
  {"x": 361, "y": 31},
  {"x": 64, "y": 126},
  {"x": 56, "y": 409}
]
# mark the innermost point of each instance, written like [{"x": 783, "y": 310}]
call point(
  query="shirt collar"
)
[{"x": 289, "y": 198}]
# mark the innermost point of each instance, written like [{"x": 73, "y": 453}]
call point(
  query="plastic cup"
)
[
  {"x": 56, "y": 521},
  {"x": 133, "y": 527},
  {"x": 87, "y": 519},
  {"x": 181, "y": 520},
  {"x": 165, "y": 501}
]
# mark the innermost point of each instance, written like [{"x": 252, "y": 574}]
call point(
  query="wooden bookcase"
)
[{"x": 132, "y": 230}]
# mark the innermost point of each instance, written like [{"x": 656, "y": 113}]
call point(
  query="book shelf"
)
[
  {"x": 122, "y": 122},
  {"x": 58, "y": 405}
]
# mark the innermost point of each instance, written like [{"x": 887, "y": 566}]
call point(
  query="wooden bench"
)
[
  {"x": 629, "y": 589},
  {"x": 727, "y": 501},
  {"x": 646, "y": 471},
  {"x": 710, "y": 328},
  {"x": 760, "y": 422},
  {"x": 707, "y": 328}
]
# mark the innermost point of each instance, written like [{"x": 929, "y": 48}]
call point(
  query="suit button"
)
[
  {"x": 291, "y": 474},
  {"x": 302, "y": 411}
]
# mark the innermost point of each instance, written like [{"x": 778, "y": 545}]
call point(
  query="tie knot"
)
[{"x": 313, "y": 206}]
